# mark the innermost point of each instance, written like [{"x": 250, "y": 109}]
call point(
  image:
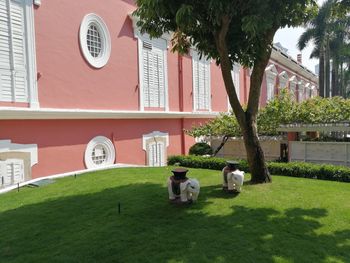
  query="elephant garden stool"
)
[
  {"x": 181, "y": 188},
  {"x": 232, "y": 178}
]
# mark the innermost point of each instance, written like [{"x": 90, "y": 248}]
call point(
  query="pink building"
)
[{"x": 81, "y": 88}]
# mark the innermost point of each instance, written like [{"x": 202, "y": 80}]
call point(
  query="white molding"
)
[
  {"x": 61, "y": 175},
  {"x": 100, "y": 61},
  {"x": 107, "y": 145},
  {"x": 31, "y": 55},
  {"x": 37, "y": 2},
  {"x": 271, "y": 69},
  {"x": 283, "y": 77},
  {"x": 10, "y": 113},
  {"x": 8, "y": 146},
  {"x": 155, "y": 134}
]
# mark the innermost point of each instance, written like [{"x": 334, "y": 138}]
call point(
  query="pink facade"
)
[{"x": 70, "y": 101}]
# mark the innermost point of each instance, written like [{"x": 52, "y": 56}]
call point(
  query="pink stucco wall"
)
[
  {"x": 68, "y": 81},
  {"x": 62, "y": 143}
]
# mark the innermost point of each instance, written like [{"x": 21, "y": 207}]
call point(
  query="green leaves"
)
[
  {"x": 281, "y": 110},
  {"x": 249, "y": 33}
]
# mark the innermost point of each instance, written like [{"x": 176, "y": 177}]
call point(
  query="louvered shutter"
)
[
  {"x": 13, "y": 73},
  {"x": 201, "y": 83},
  {"x": 201, "y": 86},
  {"x": 161, "y": 153},
  {"x": 147, "y": 67},
  {"x": 151, "y": 154},
  {"x": 12, "y": 171},
  {"x": 17, "y": 170},
  {"x": 195, "y": 82},
  {"x": 153, "y": 75},
  {"x": 156, "y": 151}
]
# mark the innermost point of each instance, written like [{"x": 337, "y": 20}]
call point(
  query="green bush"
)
[
  {"x": 213, "y": 163},
  {"x": 200, "y": 148},
  {"x": 295, "y": 169}
]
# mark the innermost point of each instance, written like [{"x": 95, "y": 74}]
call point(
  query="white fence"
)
[
  {"x": 234, "y": 148},
  {"x": 337, "y": 153}
]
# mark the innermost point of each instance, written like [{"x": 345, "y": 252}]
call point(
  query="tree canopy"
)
[
  {"x": 228, "y": 31},
  {"x": 195, "y": 23}
]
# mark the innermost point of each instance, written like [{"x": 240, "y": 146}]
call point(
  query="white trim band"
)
[{"x": 11, "y": 113}]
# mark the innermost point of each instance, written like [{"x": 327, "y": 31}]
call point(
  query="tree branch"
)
[
  {"x": 258, "y": 74},
  {"x": 225, "y": 62}
]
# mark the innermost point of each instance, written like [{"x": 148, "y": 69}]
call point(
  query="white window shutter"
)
[
  {"x": 201, "y": 83},
  {"x": 8, "y": 175},
  {"x": 13, "y": 73},
  {"x": 18, "y": 171},
  {"x": 146, "y": 76},
  {"x": 156, "y": 154},
  {"x": 151, "y": 154},
  {"x": 153, "y": 74},
  {"x": 12, "y": 171}
]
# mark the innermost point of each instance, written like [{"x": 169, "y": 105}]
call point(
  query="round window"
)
[
  {"x": 99, "y": 152},
  {"x": 95, "y": 41}
]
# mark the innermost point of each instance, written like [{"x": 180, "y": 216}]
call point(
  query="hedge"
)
[{"x": 295, "y": 169}]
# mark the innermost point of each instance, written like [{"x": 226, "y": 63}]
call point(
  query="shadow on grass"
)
[{"x": 88, "y": 228}]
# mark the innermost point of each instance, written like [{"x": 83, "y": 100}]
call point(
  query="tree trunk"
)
[
  {"x": 334, "y": 86},
  {"x": 255, "y": 154},
  {"x": 247, "y": 119},
  {"x": 223, "y": 142},
  {"x": 327, "y": 70},
  {"x": 342, "y": 93},
  {"x": 321, "y": 73}
]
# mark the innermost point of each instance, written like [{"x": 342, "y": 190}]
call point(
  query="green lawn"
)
[{"x": 76, "y": 220}]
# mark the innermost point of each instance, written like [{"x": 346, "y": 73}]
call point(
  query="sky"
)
[{"x": 288, "y": 37}]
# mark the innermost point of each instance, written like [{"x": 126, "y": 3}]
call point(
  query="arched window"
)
[{"x": 155, "y": 144}]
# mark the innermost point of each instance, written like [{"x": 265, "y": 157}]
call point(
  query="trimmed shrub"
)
[
  {"x": 295, "y": 169},
  {"x": 200, "y": 148},
  {"x": 212, "y": 163}
]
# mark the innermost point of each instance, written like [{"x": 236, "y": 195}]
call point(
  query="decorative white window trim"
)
[
  {"x": 301, "y": 90},
  {"x": 196, "y": 59},
  {"x": 271, "y": 74},
  {"x": 158, "y": 139},
  {"x": 293, "y": 86},
  {"x": 8, "y": 146},
  {"x": 37, "y": 2},
  {"x": 102, "y": 59},
  {"x": 162, "y": 44},
  {"x": 99, "y": 143},
  {"x": 283, "y": 79}
]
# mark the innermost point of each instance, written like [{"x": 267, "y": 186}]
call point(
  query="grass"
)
[{"x": 76, "y": 220}]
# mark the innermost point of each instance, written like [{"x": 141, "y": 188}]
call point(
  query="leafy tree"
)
[
  {"x": 229, "y": 32},
  {"x": 224, "y": 126},
  {"x": 329, "y": 30},
  {"x": 281, "y": 110}
]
